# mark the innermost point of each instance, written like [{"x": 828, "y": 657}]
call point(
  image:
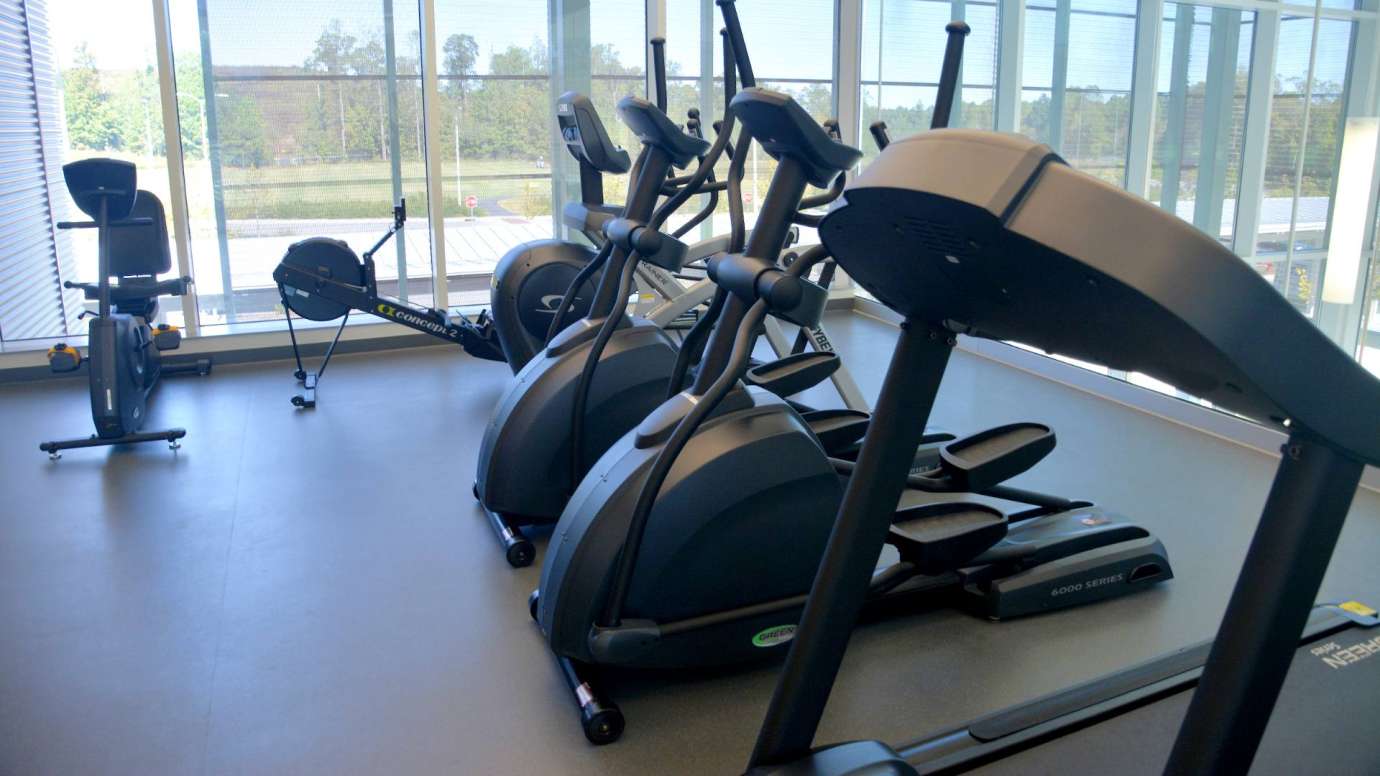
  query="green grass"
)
[{"x": 363, "y": 189}]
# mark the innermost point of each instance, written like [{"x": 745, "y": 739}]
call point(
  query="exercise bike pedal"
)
[
  {"x": 167, "y": 337},
  {"x": 64, "y": 358}
]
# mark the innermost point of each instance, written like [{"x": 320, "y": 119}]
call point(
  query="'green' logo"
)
[{"x": 777, "y": 634}]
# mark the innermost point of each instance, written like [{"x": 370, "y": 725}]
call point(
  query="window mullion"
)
[
  {"x": 1140, "y": 137},
  {"x": 172, "y": 141},
  {"x": 435, "y": 194},
  {"x": 1259, "y": 95},
  {"x": 1007, "y": 89}
]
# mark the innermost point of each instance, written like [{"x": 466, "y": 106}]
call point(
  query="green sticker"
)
[{"x": 777, "y": 634}]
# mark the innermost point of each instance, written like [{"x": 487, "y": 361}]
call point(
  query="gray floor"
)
[{"x": 315, "y": 592}]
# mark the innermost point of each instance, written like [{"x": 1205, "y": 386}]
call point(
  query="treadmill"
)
[{"x": 993, "y": 235}]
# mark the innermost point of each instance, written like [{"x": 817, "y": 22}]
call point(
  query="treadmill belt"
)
[{"x": 1327, "y": 721}]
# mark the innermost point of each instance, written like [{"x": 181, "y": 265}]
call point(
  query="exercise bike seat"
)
[
  {"x": 784, "y": 129},
  {"x": 653, "y": 127}
]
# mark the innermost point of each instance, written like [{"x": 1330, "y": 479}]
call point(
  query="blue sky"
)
[{"x": 788, "y": 38}]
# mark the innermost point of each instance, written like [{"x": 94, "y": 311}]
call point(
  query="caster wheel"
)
[
  {"x": 298, "y": 401},
  {"x": 521, "y": 553},
  {"x": 603, "y": 726}
]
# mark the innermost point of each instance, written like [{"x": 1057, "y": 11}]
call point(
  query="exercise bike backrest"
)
[{"x": 141, "y": 249}]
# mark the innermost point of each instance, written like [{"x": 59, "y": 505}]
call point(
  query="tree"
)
[
  {"x": 190, "y": 111},
  {"x": 241, "y": 126},
  {"x": 333, "y": 54},
  {"x": 461, "y": 55},
  {"x": 90, "y": 120}
]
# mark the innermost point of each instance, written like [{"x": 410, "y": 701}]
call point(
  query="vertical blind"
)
[{"x": 32, "y": 302}]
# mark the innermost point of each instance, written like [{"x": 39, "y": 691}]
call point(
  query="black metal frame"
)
[
  {"x": 1279, "y": 580},
  {"x": 840, "y": 589}
]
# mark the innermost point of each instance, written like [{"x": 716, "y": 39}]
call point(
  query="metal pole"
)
[
  {"x": 208, "y": 82},
  {"x": 390, "y": 59}
]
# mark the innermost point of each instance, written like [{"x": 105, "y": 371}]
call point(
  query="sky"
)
[{"x": 788, "y": 38}]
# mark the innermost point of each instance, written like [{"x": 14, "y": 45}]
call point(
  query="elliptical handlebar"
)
[
  {"x": 735, "y": 33},
  {"x": 659, "y": 71},
  {"x": 948, "y": 74},
  {"x": 880, "y": 135}
]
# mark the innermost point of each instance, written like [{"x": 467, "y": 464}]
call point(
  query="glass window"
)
[
  {"x": 1076, "y": 83},
  {"x": 496, "y": 122},
  {"x": 1370, "y": 318},
  {"x": 311, "y": 125},
  {"x": 1200, "y": 114},
  {"x": 792, "y": 50},
  {"x": 1306, "y": 122},
  {"x": 113, "y": 108},
  {"x": 902, "y": 53},
  {"x": 791, "y": 43}
]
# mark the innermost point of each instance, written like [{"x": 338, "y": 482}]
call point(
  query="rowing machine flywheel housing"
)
[{"x": 325, "y": 258}]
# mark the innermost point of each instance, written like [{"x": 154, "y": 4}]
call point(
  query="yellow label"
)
[{"x": 1356, "y": 607}]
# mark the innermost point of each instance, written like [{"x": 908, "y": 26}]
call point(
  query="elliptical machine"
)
[
  {"x": 531, "y": 279},
  {"x": 694, "y": 540},
  {"x": 123, "y": 347},
  {"x": 604, "y": 372},
  {"x": 600, "y": 376}
]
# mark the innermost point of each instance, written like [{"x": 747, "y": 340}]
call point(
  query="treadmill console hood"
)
[{"x": 993, "y": 235}]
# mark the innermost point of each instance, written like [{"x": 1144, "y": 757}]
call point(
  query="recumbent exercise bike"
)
[{"x": 124, "y": 346}]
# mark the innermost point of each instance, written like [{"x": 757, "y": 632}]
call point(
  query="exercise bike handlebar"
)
[{"x": 141, "y": 221}]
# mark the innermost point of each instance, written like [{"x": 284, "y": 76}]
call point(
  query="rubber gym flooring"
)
[{"x": 316, "y": 592}]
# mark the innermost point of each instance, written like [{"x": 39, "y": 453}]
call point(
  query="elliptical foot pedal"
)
[{"x": 939, "y": 538}]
